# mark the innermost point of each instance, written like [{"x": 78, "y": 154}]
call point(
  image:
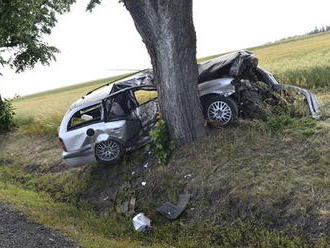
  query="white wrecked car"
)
[{"x": 111, "y": 120}]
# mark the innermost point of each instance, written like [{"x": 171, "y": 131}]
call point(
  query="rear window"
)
[
  {"x": 86, "y": 116},
  {"x": 144, "y": 96}
]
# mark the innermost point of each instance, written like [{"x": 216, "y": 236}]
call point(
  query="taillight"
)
[{"x": 60, "y": 141}]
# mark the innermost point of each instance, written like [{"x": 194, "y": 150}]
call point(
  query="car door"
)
[
  {"x": 119, "y": 111},
  {"x": 90, "y": 117}
]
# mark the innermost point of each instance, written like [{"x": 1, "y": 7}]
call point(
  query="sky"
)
[{"x": 95, "y": 45}]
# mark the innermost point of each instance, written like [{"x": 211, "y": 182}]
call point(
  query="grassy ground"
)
[
  {"x": 256, "y": 184},
  {"x": 263, "y": 185}
]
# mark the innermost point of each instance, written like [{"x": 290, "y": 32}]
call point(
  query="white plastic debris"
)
[
  {"x": 188, "y": 176},
  {"x": 133, "y": 173},
  {"x": 144, "y": 183},
  {"x": 146, "y": 165},
  {"x": 141, "y": 223}
]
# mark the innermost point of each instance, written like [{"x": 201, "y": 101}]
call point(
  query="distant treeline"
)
[
  {"x": 319, "y": 30},
  {"x": 316, "y": 30}
]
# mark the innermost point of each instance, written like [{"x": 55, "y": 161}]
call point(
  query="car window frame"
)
[
  {"x": 86, "y": 123},
  {"x": 147, "y": 89},
  {"x": 132, "y": 89}
]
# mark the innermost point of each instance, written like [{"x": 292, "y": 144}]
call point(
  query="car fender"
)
[
  {"x": 102, "y": 137},
  {"x": 221, "y": 86}
]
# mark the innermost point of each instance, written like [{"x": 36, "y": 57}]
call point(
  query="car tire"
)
[
  {"x": 221, "y": 109},
  {"x": 109, "y": 151}
]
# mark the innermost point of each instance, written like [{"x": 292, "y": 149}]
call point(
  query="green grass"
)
[
  {"x": 304, "y": 62},
  {"x": 252, "y": 181}
]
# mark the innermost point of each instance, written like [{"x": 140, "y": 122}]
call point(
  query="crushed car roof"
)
[
  {"x": 141, "y": 78},
  {"x": 233, "y": 65}
]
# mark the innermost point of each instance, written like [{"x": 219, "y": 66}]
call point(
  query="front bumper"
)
[{"x": 313, "y": 103}]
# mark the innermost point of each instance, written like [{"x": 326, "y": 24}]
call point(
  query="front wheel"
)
[
  {"x": 221, "y": 109},
  {"x": 109, "y": 151}
]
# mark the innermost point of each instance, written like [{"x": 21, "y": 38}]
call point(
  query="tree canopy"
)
[{"x": 23, "y": 25}]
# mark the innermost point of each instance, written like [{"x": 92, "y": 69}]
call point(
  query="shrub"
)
[
  {"x": 6, "y": 115},
  {"x": 161, "y": 144}
]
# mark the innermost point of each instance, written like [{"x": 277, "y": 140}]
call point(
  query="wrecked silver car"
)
[{"x": 116, "y": 118}]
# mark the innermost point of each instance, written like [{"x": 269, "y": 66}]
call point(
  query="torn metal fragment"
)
[{"x": 171, "y": 211}]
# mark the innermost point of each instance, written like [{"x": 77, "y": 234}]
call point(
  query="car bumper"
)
[
  {"x": 313, "y": 103},
  {"x": 79, "y": 158}
]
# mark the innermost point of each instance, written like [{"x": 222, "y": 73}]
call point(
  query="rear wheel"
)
[
  {"x": 109, "y": 151},
  {"x": 221, "y": 109}
]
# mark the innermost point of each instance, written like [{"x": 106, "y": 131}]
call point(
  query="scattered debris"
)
[
  {"x": 188, "y": 176},
  {"x": 142, "y": 223},
  {"x": 106, "y": 198},
  {"x": 133, "y": 173},
  {"x": 171, "y": 211},
  {"x": 132, "y": 204},
  {"x": 144, "y": 183},
  {"x": 146, "y": 165}
]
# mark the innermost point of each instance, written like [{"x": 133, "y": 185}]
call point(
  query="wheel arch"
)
[
  {"x": 203, "y": 98},
  {"x": 104, "y": 137}
]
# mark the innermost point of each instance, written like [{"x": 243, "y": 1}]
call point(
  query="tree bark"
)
[{"x": 167, "y": 29}]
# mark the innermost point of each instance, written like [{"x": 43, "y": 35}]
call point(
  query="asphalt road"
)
[{"x": 17, "y": 231}]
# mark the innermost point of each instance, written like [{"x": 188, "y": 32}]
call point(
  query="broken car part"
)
[
  {"x": 171, "y": 211},
  {"x": 141, "y": 223}
]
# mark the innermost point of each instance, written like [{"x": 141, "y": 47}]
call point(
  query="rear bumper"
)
[{"x": 79, "y": 158}]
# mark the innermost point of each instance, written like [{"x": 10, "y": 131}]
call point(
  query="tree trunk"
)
[{"x": 167, "y": 29}]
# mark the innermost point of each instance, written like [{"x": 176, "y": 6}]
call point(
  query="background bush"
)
[{"x": 6, "y": 115}]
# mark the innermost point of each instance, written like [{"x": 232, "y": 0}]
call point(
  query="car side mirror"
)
[{"x": 90, "y": 132}]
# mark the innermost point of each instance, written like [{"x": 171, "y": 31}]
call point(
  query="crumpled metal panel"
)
[
  {"x": 231, "y": 65},
  {"x": 144, "y": 78},
  {"x": 312, "y": 102}
]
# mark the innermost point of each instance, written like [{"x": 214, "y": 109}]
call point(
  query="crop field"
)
[{"x": 304, "y": 62}]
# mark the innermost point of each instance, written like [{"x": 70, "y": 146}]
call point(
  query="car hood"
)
[{"x": 236, "y": 65}]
